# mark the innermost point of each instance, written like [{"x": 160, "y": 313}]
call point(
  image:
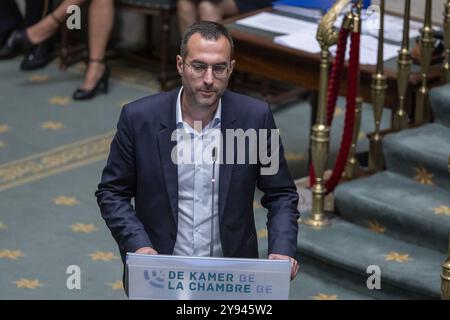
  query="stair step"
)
[
  {"x": 318, "y": 278},
  {"x": 314, "y": 283},
  {"x": 410, "y": 211},
  {"x": 440, "y": 103},
  {"x": 352, "y": 248},
  {"x": 420, "y": 153}
]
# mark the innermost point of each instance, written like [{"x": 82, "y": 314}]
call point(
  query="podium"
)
[{"x": 204, "y": 278}]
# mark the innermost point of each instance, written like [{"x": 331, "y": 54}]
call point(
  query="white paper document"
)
[
  {"x": 368, "y": 50},
  {"x": 301, "y": 35},
  {"x": 393, "y": 26},
  {"x": 305, "y": 41},
  {"x": 276, "y": 23}
]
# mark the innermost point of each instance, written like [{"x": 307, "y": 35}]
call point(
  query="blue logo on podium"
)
[{"x": 155, "y": 278}]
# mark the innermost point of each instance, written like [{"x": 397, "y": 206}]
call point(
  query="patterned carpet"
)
[
  {"x": 406, "y": 208},
  {"x": 52, "y": 151}
]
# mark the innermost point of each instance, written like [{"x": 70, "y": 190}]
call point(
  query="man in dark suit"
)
[{"x": 156, "y": 157}]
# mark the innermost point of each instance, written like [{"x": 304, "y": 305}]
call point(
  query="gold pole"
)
[
  {"x": 320, "y": 135},
  {"x": 445, "y": 276},
  {"x": 445, "y": 77},
  {"x": 426, "y": 50},
  {"x": 379, "y": 86},
  {"x": 351, "y": 167},
  {"x": 400, "y": 120}
]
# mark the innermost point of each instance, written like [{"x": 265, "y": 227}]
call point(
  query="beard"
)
[
  {"x": 206, "y": 97},
  {"x": 202, "y": 96}
]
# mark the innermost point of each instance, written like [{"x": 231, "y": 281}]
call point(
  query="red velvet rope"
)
[
  {"x": 333, "y": 90},
  {"x": 335, "y": 77},
  {"x": 352, "y": 91}
]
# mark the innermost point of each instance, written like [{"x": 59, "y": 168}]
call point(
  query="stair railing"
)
[
  {"x": 445, "y": 76},
  {"x": 328, "y": 92},
  {"x": 445, "y": 276},
  {"x": 400, "y": 119},
  {"x": 423, "y": 111},
  {"x": 351, "y": 168},
  {"x": 379, "y": 86}
]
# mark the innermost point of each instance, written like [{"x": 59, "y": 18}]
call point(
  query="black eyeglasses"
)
[{"x": 199, "y": 69}]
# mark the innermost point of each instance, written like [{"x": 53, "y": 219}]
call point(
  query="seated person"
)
[
  {"x": 190, "y": 11},
  {"x": 11, "y": 19},
  {"x": 101, "y": 15}
]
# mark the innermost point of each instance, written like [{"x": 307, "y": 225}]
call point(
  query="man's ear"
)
[
  {"x": 232, "y": 65},
  {"x": 179, "y": 64}
]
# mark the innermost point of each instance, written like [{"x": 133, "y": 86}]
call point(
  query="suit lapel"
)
[
  {"x": 227, "y": 122},
  {"x": 165, "y": 147}
]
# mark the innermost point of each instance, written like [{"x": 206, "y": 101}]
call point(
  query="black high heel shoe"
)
[
  {"x": 18, "y": 42},
  {"x": 82, "y": 94}
]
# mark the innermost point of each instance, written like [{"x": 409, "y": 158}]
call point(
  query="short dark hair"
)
[{"x": 208, "y": 30}]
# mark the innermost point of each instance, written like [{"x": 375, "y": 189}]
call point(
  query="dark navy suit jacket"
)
[{"x": 140, "y": 166}]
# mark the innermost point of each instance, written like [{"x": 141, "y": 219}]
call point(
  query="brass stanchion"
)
[
  {"x": 400, "y": 120},
  {"x": 426, "y": 50},
  {"x": 351, "y": 167},
  {"x": 379, "y": 86},
  {"x": 445, "y": 276},
  {"x": 320, "y": 135},
  {"x": 445, "y": 76}
]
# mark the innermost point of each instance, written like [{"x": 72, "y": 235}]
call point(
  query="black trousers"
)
[{"x": 11, "y": 18}]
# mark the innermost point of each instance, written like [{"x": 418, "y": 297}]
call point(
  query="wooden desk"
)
[{"x": 256, "y": 53}]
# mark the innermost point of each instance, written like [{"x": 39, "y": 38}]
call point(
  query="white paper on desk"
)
[
  {"x": 393, "y": 26},
  {"x": 276, "y": 23},
  {"x": 305, "y": 40},
  {"x": 368, "y": 50}
]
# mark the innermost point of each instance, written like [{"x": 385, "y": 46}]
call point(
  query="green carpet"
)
[
  {"x": 419, "y": 153},
  {"x": 374, "y": 203},
  {"x": 352, "y": 248},
  {"x": 440, "y": 100},
  {"x": 52, "y": 151}
]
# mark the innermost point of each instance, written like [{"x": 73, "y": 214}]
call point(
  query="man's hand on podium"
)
[
  {"x": 146, "y": 250},
  {"x": 294, "y": 263}
]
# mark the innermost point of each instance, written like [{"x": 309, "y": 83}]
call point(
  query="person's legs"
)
[
  {"x": 16, "y": 43},
  {"x": 187, "y": 13},
  {"x": 217, "y": 10},
  {"x": 43, "y": 53},
  {"x": 101, "y": 19},
  {"x": 36, "y": 10},
  {"x": 10, "y": 17},
  {"x": 47, "y": 26}
]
